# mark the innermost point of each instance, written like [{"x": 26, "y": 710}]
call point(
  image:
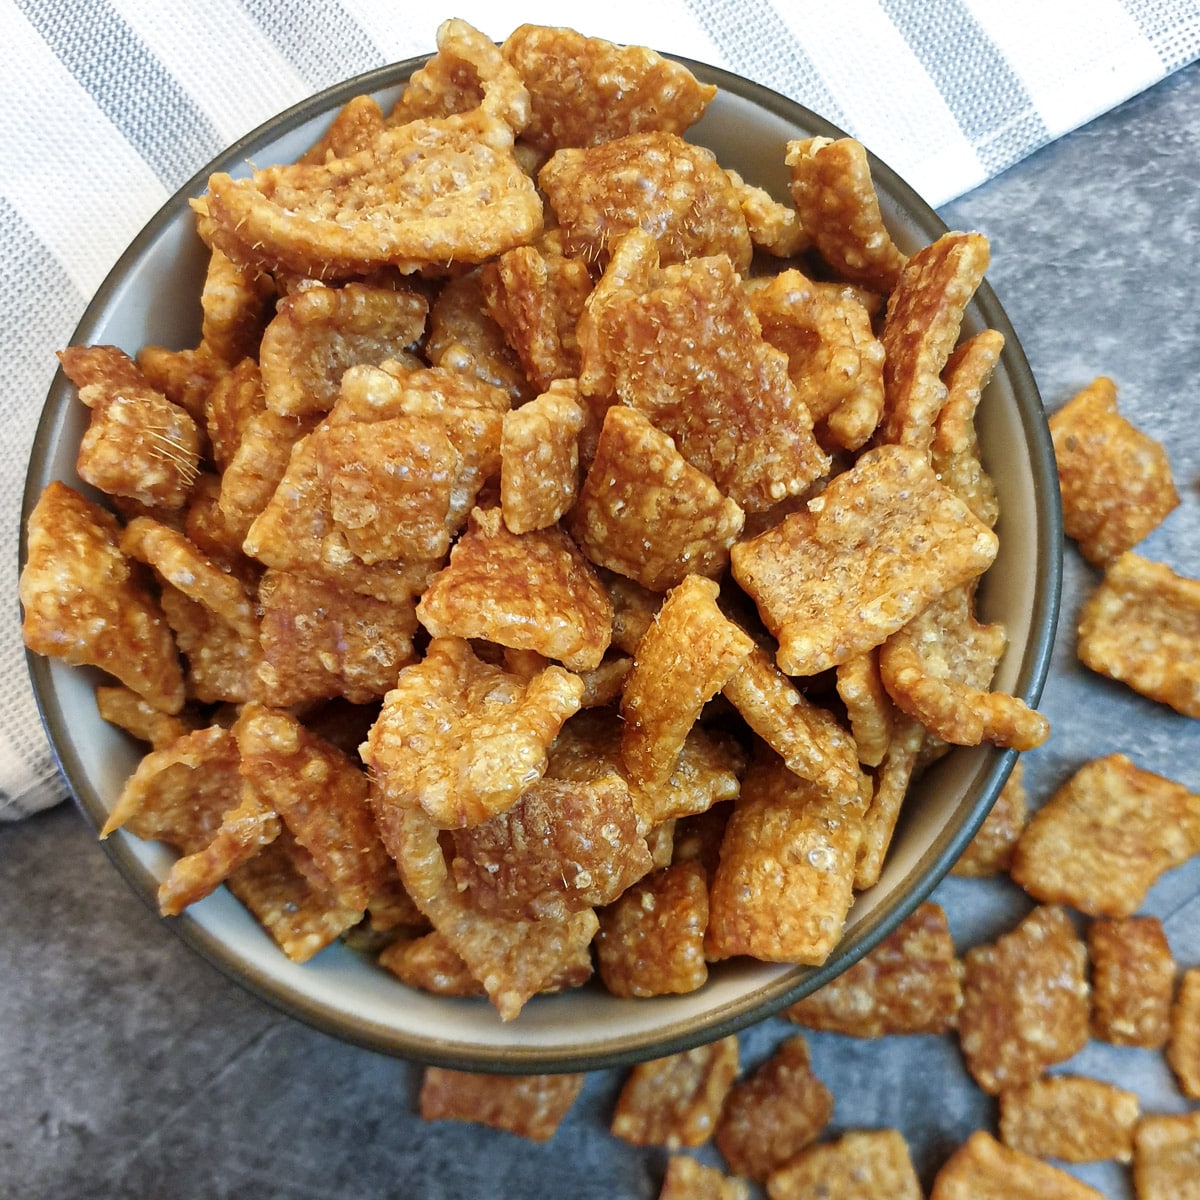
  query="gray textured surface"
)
[{"x": 129, "y": 1067}]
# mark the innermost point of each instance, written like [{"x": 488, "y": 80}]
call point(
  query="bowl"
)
[{"x": 150, "y": 297}]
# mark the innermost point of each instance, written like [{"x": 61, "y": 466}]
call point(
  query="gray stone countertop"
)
[{"x": 131, "y": 1068}]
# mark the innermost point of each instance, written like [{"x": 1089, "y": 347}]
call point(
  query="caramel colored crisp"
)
[
  {"x": 867, "y": 555},
  {"x": 1141, "y": 626},
  {"x": 1183, "y": 1050},
  {"x": 924, "y": 317},
  {"x": 235, "y": 305},
  {"x": 888, "y": 790},
  {"x": 235, "y": 398},
  {"x": 1025, "y": 1001},
  {"x": 648, "y": 514},
  {"x": 222, "y": 663},
  {"x": 651, "y": 939},
  {"x": 687, "y": 1179},
  {"x": 983, "y": 1169},
  {"x": 186, "y": 378},
  {"x": 1069, "y": 1117},
  {"x": 585, "y": 90},
  {"x": 1115, "y": 480},
  {"x": 869, "y": 708},
  {"x": 140, "y": 719},
  {"x": 910, "y": 983},
  {"x": 354, "y": 128},
  {"x": 774, "y": 227},
  {"x": 539, "y": 459},
  {"x": 835, "y": 196},
  {"x": 429, "y": 964},
  {"x": 991, "y": 849},
  {"x": 784, "y": 883},
  {"x": 138, "y": 444},
  {"x": 938, "y": 668},
  {"x": 1133, "y": 980},
  {"x": 318, "y": 332},
  {"x": 1166, "y": 1151},
  {"x": 462, "y": 739},
  {"x": 1105, "y": 836},
  {"x": 675, "y": 191},
  {"x": 773, "y": 1113},
  {"x": 563, "y": 846},
  {"x": 84, "y": 604},
  {"x": 675, "y": 1101},
  {"x": 531, "y": 1106},
  {"x": 868, "y": 1164},
  {"x": 686, "y": 657},
  {"x": 530, "y": 591},
  {"x": 834, "y": 358}
]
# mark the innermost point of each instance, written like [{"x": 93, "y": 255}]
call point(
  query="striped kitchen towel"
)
[{"x": 108, "y": 106}]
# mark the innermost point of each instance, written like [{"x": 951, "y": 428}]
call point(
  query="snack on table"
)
[
  {"x": 1133, "y": 980},
  {"x": 452, "y": 463},
  {"x": 686, "y": 1179},
  {"x": 1069, "y": 1117},
  {"x": 1165, "y": 1149},
  {"x": 859, "y": 1164},
  {"x": 1183, "y": 1050},
  {"x": 983, "y": 1169},
  {"x": 531, "y": 1106}
]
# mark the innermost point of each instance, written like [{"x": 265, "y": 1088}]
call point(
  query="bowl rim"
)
[{"x": 912, "y": 889}]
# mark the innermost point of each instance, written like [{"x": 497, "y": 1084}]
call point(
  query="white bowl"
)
[{"x": 151, "y": 296}]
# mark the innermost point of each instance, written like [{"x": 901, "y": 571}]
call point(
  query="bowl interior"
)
[{"x": 152, "y": 297}]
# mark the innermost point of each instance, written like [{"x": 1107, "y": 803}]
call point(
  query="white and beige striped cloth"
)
[{"x": 109, "y": 106}]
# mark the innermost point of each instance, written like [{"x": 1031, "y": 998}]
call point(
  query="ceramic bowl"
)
[{"x": 151, "y": 297}]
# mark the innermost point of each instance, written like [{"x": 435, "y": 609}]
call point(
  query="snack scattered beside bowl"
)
[{"x": 598, "y": 587}]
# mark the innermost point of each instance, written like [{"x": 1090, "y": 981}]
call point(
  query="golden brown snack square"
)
[
  {"x": 139, "y": 718},
  {"x": 1025, "y": 1001},
  {"x": 867, "y": 555},
  {"x": 235, "y": 305},
  {"x": 687, "y": 1179},
  {"x": 1069, "y": 1117},
  {"x": 1133, "y": 980},
  {"x": 84, "y": 603},
  {"x": 539, "y": 459},
  {"x": 984, "y": 1169},
  {"x": 1141, "y": 626},
  {"x": 185, "y": 377},
  {"x": 869, "y": 708},
  {"x": 771, "y": 1114},
  {"x": 991, "y": 849},
  {"x": 1105, "y": 836},
  {"x": 1183, "y": 1050},
  {"x": 429, "y": 964},
  {"x": 887, "y": 792},
  {"x": 531, "y": 1106},
  {"x": 1115, "y": 480},
  {"x": 234, "y": 399},
  {"x": 867, "y": 1164},
  {"x": 222, "y": 663},
  {"x": 675, "y": 1101},
  {"x": 646, "y": 513},
  {"x": 774, "y": 227},
  {"x": 910, "y": 983},
  {"x": 1165, "y": 1152}
]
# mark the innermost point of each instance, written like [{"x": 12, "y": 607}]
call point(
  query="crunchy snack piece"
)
[
  {"x": 531, "y": 1106},
  {"x": 806, "y": 736},
  {"x": 634, "y": 610},
  {"x": 924, "y": 316},
  {"x": 1133, "y": 979},
  {"x": 1165, "y": 1152},
  {"x": 208, "y": 529},
  {"x": 1115, "y": 480},
  {"x": 222, "y": 662},
  {"x": 859, "y": 1164},
  {"x": 991, "y": 849},
  {"x": 869, "y": 708},
  {"x": 317, "y": 333},
  {"x": 937, "y": 669},
  {"x": 784, "y": 883},
  {"x": 462, "y": 739},
  {"x": 1142, "y": 626},
  {"x": 686, "y": 657},
  {"x": 319, "y": 641},
  {"x": 138, "y": 717},
  {"x": 834, "y": 358},
  {"x": 645, "y": 512},
  {"x": 234, "y": 399},
  {"x": 683, "y": 347},
  {"x": 772, "y": 1114},
  {"x": 687, "y": 1179},
  {"x": 235, "y": 305},
  {"x": 675, "y": 191},
  {"x": 983, "y": 1169},
  {"x": 84, "y": 604},
  {"x": 954, "y": 450},
  {"x": 773, "y": 226},
  {"x": 585, "y": 90},
  {"x": 563, "y": 846},
  {"x": 910, "y": 983},
  {"x": 539, "y": 459},
  {"x": 531, "y": 591},
  {"x": 870, "y": 552},
  {"x": 1025, "y": 1001},
  {"x": 429, "y": 964},
  {"x": 1069, "y": 1117},
  {"x": 651, "y": 939},
  {"x": 1105, "y": 836},
  {"x": 900, "y": 764},
  {"x": 138, "y": 445},
  {"x": 514, "y": 959},
  {"x": 835, "y": 196},
  {"x": 1183, "y": 1050},
  {"x": 185, "y": 377},
  {"x": 675, "y": 1101},
  {"x": 354, "y": 128}
]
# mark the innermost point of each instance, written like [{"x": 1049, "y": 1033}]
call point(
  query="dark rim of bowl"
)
[{"x": 790, "y": 985}]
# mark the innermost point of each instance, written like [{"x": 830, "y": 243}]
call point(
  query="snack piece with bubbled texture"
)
[
  {"x": 984, "y": 1169},
  {"x": 530, "y": 1106},
  {"x": 1133, "y": 980},
  {"x": 1069, "y": 1117},
  {"x": 1165, "y": 1152},
  {"x": 861, "y": 1164}
]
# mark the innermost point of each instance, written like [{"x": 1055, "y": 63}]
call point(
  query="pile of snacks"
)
[{"x": 537, "y": 487}]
